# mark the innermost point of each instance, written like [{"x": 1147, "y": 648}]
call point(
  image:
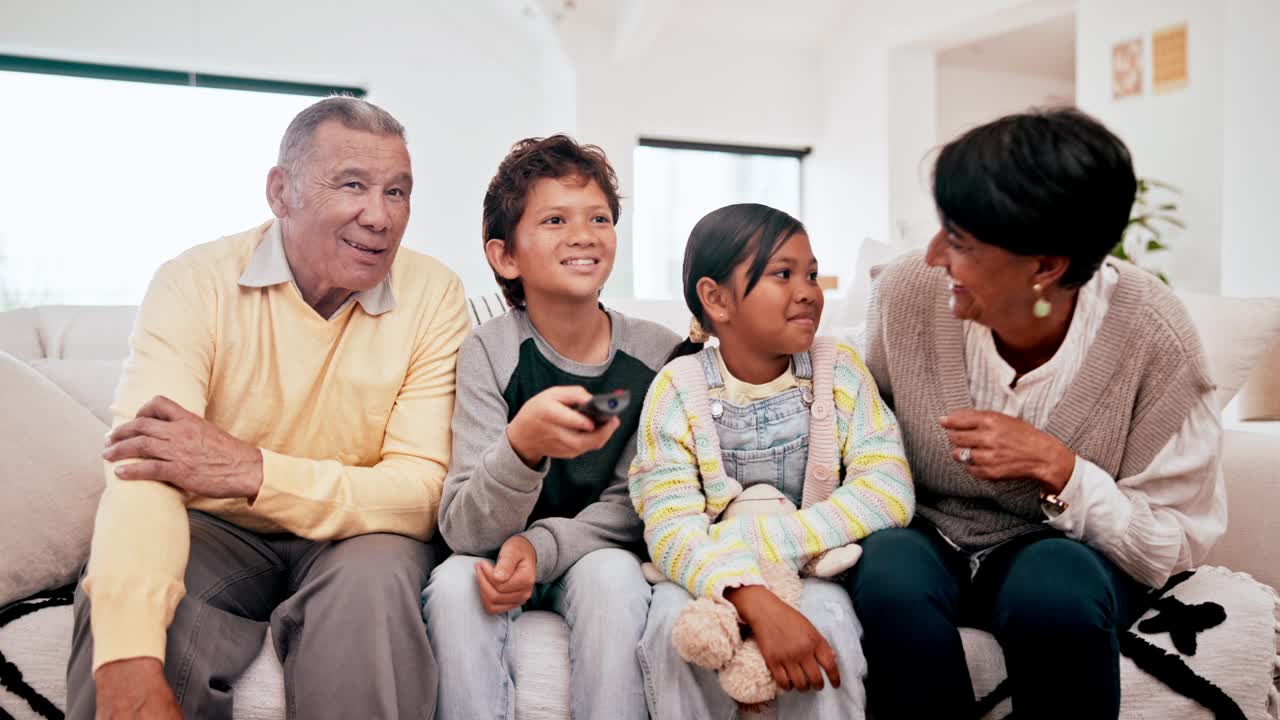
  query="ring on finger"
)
[{"x": 966, "y": 455}]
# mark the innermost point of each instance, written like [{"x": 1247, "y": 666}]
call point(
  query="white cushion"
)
[
  {"x": 92, "y": 383},
  {"x": 259, "y": 693},
  {"x": 541, "y": 666},
  {"x": 1260, "y": 396},
  {"x": 38, "y": 646},
  {"x": 40, "y": 643},
  {"x": 19, "y": 334},
  {"x": 1236, "y": 333},
  {"x": 1251, "y": 469},
  {"x": 92, "y": 332},
  {"x": 1239, "y": 656},
  {"x": 50, "y": 481}
]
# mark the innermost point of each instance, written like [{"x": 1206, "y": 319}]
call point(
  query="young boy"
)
[{"x": 532, "y": 478}]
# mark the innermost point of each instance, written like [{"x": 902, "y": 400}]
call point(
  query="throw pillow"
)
[
  {"x": 50, "y": 479},
  {"x": 1235, "y": 333},
  {"x": 1260, "y": 397},
  {"x": 92, "y": 383}
]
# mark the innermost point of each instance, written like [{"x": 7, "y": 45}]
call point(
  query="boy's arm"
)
[
  {"x": 609, "y": 522},
  {"x": 489, "y": 492},
  {"x": 666, "y": 488}
]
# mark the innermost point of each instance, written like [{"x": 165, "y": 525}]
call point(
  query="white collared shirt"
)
[
  {"x": 1158, "y": 522},
  {"x": 269, "y": 265}
]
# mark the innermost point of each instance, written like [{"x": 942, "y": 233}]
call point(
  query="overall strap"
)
[
  {"x": 691, "y": 380},
  {"x": 710, "y": 369},
  {"x": 821, "y": 474}
]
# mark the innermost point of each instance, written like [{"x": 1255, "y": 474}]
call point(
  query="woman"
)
[{"x": 1058, "y": 418}]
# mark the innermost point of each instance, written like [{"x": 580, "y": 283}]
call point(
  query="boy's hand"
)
[
  {"x": 509, "y": 584},
  {"x": 793, "y": 649},
  {"x": 548, "y": 426}
]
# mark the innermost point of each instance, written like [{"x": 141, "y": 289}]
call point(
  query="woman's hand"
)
[
  {"x": 1001, "y": 447},
  {"x": 793, "y": 649}
]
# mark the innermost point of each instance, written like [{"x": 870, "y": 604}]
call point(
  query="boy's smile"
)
[{"x": 565, "y": 241}]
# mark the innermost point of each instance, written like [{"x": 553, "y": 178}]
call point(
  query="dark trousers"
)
[
  {"x": 1055, "y": 606},
  {"x": 344, "y": 617}
]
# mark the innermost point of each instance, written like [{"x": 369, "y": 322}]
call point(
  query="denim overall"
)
[{"x": 765, "y": 441}]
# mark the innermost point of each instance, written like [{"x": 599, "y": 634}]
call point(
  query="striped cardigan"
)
[{"x": 679, "y": 487}]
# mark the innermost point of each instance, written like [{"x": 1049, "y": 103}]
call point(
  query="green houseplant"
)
[{"x": 1154, "y": 213}]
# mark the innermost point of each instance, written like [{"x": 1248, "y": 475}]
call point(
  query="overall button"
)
[{"x": 717, "y": 409}]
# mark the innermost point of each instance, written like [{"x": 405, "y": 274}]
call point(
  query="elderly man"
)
[{"x": 280, "y": 443}]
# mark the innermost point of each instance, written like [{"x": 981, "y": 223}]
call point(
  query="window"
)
[
  {"x": 110, "y": 171},
  {"x": 678, "y": 182}
]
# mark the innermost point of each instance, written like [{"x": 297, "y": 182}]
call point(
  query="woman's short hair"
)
[{"x": 1044, "y": 182}]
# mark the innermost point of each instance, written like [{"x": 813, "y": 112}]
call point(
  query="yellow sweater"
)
[{"x": 352, "y": 416}]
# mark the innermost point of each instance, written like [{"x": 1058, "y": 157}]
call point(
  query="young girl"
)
[{"x": 774, "y": 405}]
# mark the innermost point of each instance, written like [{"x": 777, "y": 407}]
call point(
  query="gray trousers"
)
[{"x": 344, "y": 617}]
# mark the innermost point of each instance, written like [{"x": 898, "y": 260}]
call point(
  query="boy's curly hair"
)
[{"x": 530, "y": 160}]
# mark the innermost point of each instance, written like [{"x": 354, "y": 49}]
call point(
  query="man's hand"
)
[
  {"x": 548, "y": 426},
  {"x": 1002, "y": 447},
  {"x": 509, "y": 584},
  {"x": 184, "y": 450},
  {"x": 134, "y": 688},
  {"x": 793, "y": 649}
]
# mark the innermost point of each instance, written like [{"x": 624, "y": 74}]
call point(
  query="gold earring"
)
[
  {"x": 1041, "y": 308},
  {"x": 697, "y": 335}
]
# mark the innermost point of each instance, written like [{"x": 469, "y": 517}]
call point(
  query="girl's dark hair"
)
[
  {"x": 530, "y": 160},
  {"x": 1044, "y": 182},
  {"x": 720, "y": 241}
]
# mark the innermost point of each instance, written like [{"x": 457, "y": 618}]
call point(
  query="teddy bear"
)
[{"x": 707, "y": 633}]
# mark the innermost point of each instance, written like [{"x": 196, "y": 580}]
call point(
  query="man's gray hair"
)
[{"x": 353, "y": 113}]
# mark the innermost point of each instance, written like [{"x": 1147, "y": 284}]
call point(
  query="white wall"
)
[
  {"x": 1250, "y": 233},
  {"x": 706, "y": 93},
  {"x": 1175, "y": 137},
  {"x": 879, "y": 120},
  {"x": 968, "y": 97},
  {"x": 466, "y": 79}
]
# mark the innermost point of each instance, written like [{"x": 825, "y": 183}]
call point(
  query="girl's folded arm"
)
[
  {"x": 877, "y": 492},
  {"x": 666, "y": 489}
]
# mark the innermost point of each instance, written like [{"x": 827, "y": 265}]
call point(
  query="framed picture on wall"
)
[
  {"x": 1169, "y": 59},
  {"x": 1126, "y": 69}
]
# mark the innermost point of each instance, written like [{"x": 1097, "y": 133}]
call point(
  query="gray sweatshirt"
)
[{"x": 565, "y": 508}]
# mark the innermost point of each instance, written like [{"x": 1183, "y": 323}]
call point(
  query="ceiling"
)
[
  {"x": 629, "y": 30},
  {"x": 1046, "y": 48}
]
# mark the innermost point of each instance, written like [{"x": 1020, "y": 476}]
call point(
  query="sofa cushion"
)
[
  {"x": 1236, "y": 333},
  {"x": 1252, "y": 475},
  {"x": 1260, "y": 396},
  {"x": 86, "y": 332},
  {"x": 38, "y": 645},
  {"x": 49, "y": 483},
  {"x": 1239, "y": 655},
  {"x": 35, "y": 642},
  {"x": 541, "y": 666},
  {"x": 19, "y": 334},
  {"x": 92, "y": 383}
]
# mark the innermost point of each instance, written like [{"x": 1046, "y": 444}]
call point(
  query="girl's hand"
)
[
  {"x": 1001, "y": 447},
  {"x": 793, "y": 649},
  {"x": 549, "y": 426}
]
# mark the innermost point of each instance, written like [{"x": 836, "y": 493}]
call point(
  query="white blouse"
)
[{"x": 1158, "y": 522}]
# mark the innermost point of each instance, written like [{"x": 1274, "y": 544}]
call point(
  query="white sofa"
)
[{"x": 80, "y": 349}]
